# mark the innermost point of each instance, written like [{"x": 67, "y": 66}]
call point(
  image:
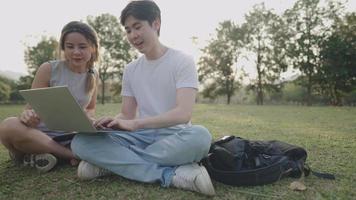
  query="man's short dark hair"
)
[{"x": 142, "y": 10}]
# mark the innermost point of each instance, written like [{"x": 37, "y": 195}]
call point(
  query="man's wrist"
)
[{"x": 139, "y": 123}]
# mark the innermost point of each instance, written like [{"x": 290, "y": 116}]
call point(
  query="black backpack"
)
[{"x": 240, "y": 162}]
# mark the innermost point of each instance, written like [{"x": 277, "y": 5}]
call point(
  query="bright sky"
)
[{"x": 24, "y": 22}]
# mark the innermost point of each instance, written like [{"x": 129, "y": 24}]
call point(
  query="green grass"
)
[{"x": 328, "y": 134}]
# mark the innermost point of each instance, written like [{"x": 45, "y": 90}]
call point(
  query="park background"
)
[
  {"x": 268, "y": 69},
  {"x": 254, "y": 52}
]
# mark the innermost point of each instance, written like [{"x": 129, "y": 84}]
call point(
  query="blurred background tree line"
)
[{"x": 316, "y": 39}]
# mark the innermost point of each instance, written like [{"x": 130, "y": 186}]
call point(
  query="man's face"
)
[{"x": 141, "y": 34}]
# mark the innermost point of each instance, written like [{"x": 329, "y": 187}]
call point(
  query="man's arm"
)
[
  {"x": 128, "y": 108},
  {"x": 180, "y": 114}
]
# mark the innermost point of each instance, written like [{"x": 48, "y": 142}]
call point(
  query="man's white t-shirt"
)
[{"x": 154, "y": 83}]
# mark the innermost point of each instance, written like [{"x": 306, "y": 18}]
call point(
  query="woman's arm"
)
[
  {"x": 42, "y": 77},
  {"x": 41, "y": 80},
  {"x": 90, "y": 109}
]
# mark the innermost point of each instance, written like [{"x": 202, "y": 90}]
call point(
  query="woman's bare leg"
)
[{"x": 20, "y": 139}]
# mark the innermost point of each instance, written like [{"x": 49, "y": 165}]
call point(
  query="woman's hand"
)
[
  {"x": 90, "y": 117},
  {"x": 29, "y": 118}
]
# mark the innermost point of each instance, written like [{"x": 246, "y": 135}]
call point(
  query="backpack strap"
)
[
  {"x": 320, "y": 174},
  {"x": 323, "y": 175}
]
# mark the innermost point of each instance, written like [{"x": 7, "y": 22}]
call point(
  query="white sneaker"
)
[
  {"x": 193, "y": 177},
  {"x": 87, "y": 171},
  {"x": 42, "y": 162}
]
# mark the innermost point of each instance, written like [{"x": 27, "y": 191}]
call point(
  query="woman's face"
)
[{"x": 77, "y": 50}]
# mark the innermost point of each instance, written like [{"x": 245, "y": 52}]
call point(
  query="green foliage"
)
[
  {"x": 4, "y": 91},
  {"x": 45, "y": 50},
  {"x": 42, "y": 52},
  {"x": 115, "y": 50},
  {"x": 337, "y": 75},
  {"x": 7, "y": 89},
  {"x": 23, "y": 83},
  {"x": 311, "y": 37},
  {"x": 265, "y": 33},
  {"x": 217, "y": 69},
  {"x": 308, "y": 27},
  {"x": 350, "y": 98},
  {"x": 293, "y": 92}
]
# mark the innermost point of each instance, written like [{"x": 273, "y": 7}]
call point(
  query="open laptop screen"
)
[{"x": 58, "y": 109}]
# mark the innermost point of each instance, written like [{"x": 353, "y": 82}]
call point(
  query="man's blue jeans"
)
[{"x": 146, "y": 155}]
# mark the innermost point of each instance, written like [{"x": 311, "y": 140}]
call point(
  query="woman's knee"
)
[
  {"x": 9, "y": 127},
  {"x": 9, "y": 123}
]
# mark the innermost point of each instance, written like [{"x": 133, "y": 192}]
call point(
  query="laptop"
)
[{"x": 59, "y": 110}]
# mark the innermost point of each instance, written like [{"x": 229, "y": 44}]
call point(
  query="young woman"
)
[{"x": 26, "y": 137}]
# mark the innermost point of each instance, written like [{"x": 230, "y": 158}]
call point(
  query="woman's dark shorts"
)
[{"x": 61, "y": 137}]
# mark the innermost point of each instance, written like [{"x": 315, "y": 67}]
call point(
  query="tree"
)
[
  {"x": 5, "y": 88},
  {"x": 308, "y": 29},
  {"x": 337, "y": 75},
  {"x": 115, "y": 50},
  {"x": 293, "y": 92},
  {"x": 265, "y": 33},
  {"x": 44, "y": 51},
  {"x": 218, "y": 60},
  {"x": 23, "y": 83}
]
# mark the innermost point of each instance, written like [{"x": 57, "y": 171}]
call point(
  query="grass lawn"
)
[{"x": 328, "y": 134}]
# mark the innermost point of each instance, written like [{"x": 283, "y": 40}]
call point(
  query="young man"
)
[{"x": 160, "y": 145}]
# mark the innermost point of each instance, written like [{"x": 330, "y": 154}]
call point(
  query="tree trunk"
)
[
  {"x": 259, "y": 74},
  {"x": 230, "y": 89},
  {"x": 337, "y": 97},
  {"x": 227, "y": 90},
  {"x": 309, "y": 90},
  {"x": 259, "y": 91},
  {"x": 102, "y": 91},
  {"x": 309, "y": 52}
]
